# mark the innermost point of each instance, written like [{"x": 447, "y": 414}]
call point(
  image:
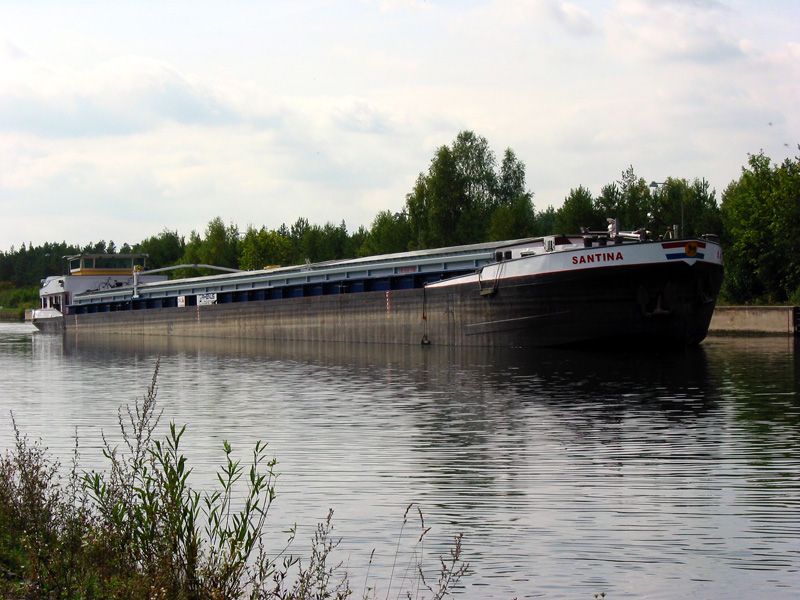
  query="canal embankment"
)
[{"x": 776, "y": 320}]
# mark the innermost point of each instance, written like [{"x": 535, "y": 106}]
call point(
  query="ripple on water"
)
[{"x": 568, "y": 472}]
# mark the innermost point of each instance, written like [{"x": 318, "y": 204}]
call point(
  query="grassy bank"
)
[
  {"x": 14, "y": 301},
  {"x": 137, "y": 530},
  {"x": 12, "y": 315}
]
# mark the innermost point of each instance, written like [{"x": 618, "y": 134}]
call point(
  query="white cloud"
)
[
  {"x": 573, "y": 18},
  {"x": 121, "y": 96},
  {"x": 328, "y": 111},
  {"x": 673, "y": 31},
  {"x": 13, "y": 52},
  {"x": 394, "y": 5}
]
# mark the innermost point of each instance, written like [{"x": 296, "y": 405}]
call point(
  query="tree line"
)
[{"x": 466, "y": 197}]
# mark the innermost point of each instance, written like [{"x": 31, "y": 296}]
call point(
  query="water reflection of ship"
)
[
  {"x": 554, "y": 458},
  {"x": 478, "y": 407},
  {"x": 673, "y": 381},
  {"x": 577, "y": 391}
]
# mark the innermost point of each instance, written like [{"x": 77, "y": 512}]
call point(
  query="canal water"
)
[{"x": 641, "y": 474}]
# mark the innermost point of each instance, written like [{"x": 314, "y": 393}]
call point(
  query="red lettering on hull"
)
[{"x": 597, "y": 257}]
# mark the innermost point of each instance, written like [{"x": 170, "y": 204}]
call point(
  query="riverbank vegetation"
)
[
  {"x": 14, "y": 301},
  {"x": 466, "y": 197},
  {"x": 139, "y": 531}
]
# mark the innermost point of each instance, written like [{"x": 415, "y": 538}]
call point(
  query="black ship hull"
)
[{"x": 669, "y": 303}]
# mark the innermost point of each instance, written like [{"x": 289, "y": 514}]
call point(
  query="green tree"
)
[
  {"x": 356, "y": 241},
  {"x": 634, "y": 201},
  {"x": 609, "y": 204},
  {"x": 163, "y": 250},
  {"x": 311, "y": 244},
  {"x": 545, "y": 223},
  {"x": 513, "y": 220},
  {"x": 418, "y": 210},
  {"x": 449, "y": 217},
  {"x": 785, "y": 225},
  {"x": 220, "y": 247},
  {"x": 454, "y": 203},
  {"x": 627, "y": 200},
  {"x": 513, "y": 215},
  {"x": 297, "y": 233},
  {"x": 692, "y": 206},
  {"x": 30, "y": 264},
  {"x": 262, "y": 248},
  {"x": 316, "y": 244},
  {"x": 702, "y": 213},
  {"x": 577, "y": 211},
  {"x": 334, "y": 242},
  {"x": 475, "y": 163},
  {"x": 98, "y": 248},
  {"x": 512, "y": 179},
  {"x": 761, "y": 213},
  {"x": 191, "y": 256},
  {"x": 389, "y": 233}
]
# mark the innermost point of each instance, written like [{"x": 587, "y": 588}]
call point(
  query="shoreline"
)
[{"x": 777, "y": 320}]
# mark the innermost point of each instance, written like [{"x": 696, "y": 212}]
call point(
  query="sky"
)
[{"x": 120, "y": 120}]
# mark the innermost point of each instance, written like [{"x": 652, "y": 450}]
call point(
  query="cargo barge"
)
[{"x": 546, "y": 291}]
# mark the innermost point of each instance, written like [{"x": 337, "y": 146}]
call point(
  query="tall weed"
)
[
  {"x": 45, "y": 522},
  {"x": 137, "y": 530}
]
